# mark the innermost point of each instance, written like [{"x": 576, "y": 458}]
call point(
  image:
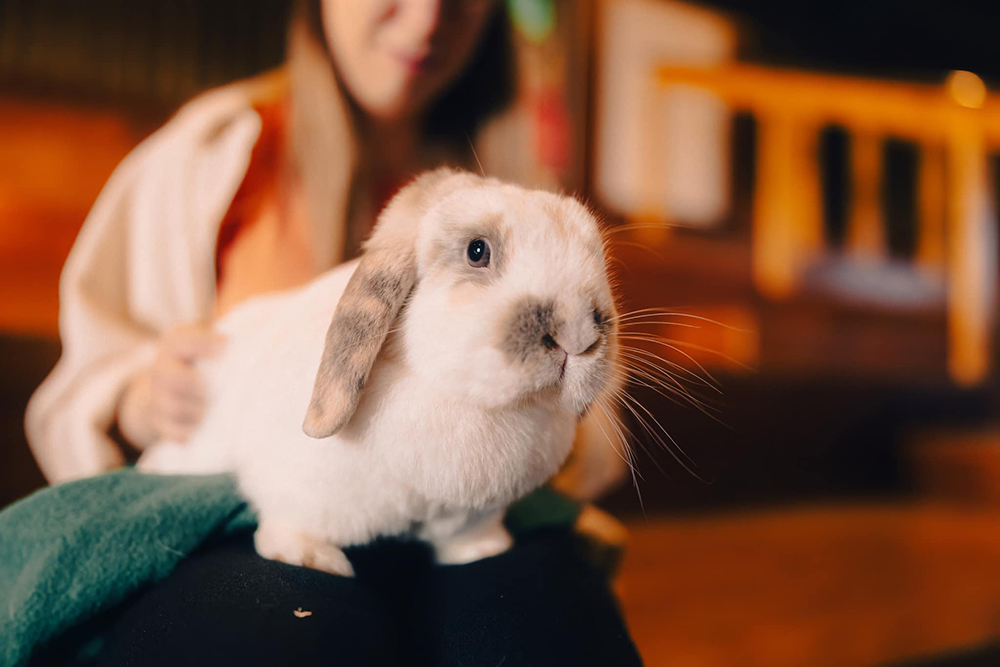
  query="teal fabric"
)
[
  {"x": 545, "y": 508},
  {"x": 70, "y": 552}
]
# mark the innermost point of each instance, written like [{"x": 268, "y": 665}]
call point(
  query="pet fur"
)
[{"x": 438, "y": 394}]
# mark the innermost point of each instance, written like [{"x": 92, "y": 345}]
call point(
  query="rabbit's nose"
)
[{"x": 574, "y": 343}]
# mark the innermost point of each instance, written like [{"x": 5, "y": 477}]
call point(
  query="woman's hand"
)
[{"x": 167, "y": 399}]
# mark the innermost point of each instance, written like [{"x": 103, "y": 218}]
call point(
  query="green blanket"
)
[{"x": 71, "y": 552}]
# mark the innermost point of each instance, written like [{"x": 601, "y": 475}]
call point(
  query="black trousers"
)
[{"x": 541, "y": 603}]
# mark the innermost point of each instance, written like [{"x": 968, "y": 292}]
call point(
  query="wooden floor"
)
[{"x": 837, "y": 585}]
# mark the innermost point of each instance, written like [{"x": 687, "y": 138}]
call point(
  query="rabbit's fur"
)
[{"x": 444, "y": 392}]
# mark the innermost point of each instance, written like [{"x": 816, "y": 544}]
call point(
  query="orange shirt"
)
[
  {"x": 263, "y": 242},
  {"x": 264, "y": 238}
]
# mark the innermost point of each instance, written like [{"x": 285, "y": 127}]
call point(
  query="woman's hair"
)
[
  {"x": 486, "y": 86},
  {"x": 323, "y": 149}
]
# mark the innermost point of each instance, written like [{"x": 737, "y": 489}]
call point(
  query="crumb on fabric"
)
[{"x": 302, "y": 614}]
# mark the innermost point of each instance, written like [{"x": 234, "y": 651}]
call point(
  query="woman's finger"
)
[
  {"x": 184, "y": 414},
  {"x": 193, "y": 342},
  {"x": 171, "y": 431},
  {"x": 173, "y": 424},
  {"x": 176, "y": 405},
  {"x": 175, "y": 376}
]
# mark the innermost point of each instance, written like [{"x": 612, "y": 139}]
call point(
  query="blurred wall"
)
[
  {"x": 81, "y": 83},
  {"x": 660, "y": 153},
  {"x": 146, "y": 53}
]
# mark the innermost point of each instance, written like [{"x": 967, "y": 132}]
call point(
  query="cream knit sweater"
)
[{"x": 144, "y": 261}]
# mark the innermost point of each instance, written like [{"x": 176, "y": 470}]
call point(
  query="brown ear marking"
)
[{"x": 372, "y": 300}]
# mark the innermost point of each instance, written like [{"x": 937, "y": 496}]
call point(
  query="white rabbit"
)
[{"x": 466, "y": 343}]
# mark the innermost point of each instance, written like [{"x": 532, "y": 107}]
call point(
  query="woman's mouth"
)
[{"x": 415, "y": 64}]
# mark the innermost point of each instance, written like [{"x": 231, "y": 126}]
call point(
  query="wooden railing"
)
[{"x": 954, "y": 126}]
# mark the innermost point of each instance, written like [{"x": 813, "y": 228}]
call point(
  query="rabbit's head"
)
[{"x": 506, "y": 294}]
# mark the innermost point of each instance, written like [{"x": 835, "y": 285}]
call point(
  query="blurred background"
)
[{"x": 816, "y": 183}]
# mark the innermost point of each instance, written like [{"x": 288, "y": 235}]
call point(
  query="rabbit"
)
[{"x": 465, "y": 344}]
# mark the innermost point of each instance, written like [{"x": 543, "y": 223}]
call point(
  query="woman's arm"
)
[
  {"x": 103, "y": 345},
  {"x": 143, "y": 263}
]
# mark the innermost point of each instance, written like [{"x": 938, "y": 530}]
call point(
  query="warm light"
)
[{"x": 967, "y": 89}]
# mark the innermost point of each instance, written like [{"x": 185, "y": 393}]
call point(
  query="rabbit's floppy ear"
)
[{"x": 370, "y": 303}]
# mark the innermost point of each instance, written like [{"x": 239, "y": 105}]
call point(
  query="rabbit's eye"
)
[{"x": 478, "y": 253}]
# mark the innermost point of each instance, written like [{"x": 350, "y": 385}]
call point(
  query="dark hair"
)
[{"x": 486, "y": 86}]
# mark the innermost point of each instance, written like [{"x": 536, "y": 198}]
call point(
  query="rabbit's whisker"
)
[
  {"x": 663, "y": 375},
  {"x": 674, "y": 392},
  {"x": 640, "y": 246},
  {"x": 618, "y": 426},
  {"x": 660, "y": 377},
  {"x": 638, "y": 441},
  {"x": 644, "y": 368},
  {"x": 672, "y": 344},
  {"x": 616, "y": 229},
  {"x": 643, "y": 323},
  {"x": 615, "y": 420},
  {"x": 656, "y": 312},
  {"x": 687, "y": 373},
  {"x": 660, "y": 426},
  {"x": 627, "y": 401},
  {"x": 472, "y": 146},
  {"x": 628, "y": 450},
  {"x": 702, "y": 348}
]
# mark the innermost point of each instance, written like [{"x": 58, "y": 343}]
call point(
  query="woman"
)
[
  {"x": 255, "y": 187},
  {"x": 261, "y": 186}
]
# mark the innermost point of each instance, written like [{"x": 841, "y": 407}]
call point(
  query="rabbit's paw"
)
[
  {"x": 278, "y": 542},
  {"x": 166, "y": 458},
  {"x": 475, "y": 545}
]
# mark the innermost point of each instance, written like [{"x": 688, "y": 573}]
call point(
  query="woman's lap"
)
[
  {"x": 541, "y": 603},
  {"x": 224, "y": 605}
]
